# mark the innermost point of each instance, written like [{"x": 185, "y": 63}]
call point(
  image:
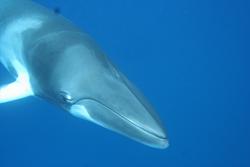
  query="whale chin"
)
[{"x": 106, "y": 117}]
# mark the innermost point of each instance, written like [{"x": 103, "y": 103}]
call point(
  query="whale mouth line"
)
[{"x": 132, "y": 123}]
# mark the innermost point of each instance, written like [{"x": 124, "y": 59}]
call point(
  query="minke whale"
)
[{"x": 52, "y": 59}]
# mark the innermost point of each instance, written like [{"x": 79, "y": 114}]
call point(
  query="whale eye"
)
[{"x": 65, "y": 97}]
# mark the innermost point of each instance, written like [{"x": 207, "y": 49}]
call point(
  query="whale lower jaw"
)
[{"x": 106, "y": 117}]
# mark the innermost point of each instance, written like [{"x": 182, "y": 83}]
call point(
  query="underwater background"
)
[{"x": 191, "y": 60}]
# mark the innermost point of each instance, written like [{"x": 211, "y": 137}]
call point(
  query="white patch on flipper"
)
[
  {"x": 16, "y": 90},
  {"x": 11, "y": 57}
]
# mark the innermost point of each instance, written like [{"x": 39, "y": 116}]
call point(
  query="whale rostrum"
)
[{"x": 52, "y": 59}]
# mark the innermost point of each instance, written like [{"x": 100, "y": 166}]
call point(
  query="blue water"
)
[{"x": 189, "y": 57}]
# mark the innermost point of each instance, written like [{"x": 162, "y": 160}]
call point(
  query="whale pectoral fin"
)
[{"x": 14, "y": 91}]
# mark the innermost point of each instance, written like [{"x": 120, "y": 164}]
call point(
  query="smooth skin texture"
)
[{"x": 52, "y": 59}]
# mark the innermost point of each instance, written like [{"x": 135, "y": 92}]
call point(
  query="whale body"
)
[{"x": 54, "y": 60}]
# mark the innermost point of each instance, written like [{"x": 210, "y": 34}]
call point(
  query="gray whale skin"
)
[{"x": 52, "y": 59}]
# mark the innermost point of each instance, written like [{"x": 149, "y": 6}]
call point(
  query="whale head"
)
[{"x": 82, "y": 80}]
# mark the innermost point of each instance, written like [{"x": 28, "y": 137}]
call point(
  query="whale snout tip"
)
[
  {"x": 162, "y": 143},
  {"x": 155, "y": 138}
]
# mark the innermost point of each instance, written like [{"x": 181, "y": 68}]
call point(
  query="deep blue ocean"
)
[{"x": 190, "y": 58}]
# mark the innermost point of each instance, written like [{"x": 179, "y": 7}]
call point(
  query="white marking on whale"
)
[{"x": 52, "y": 59}]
